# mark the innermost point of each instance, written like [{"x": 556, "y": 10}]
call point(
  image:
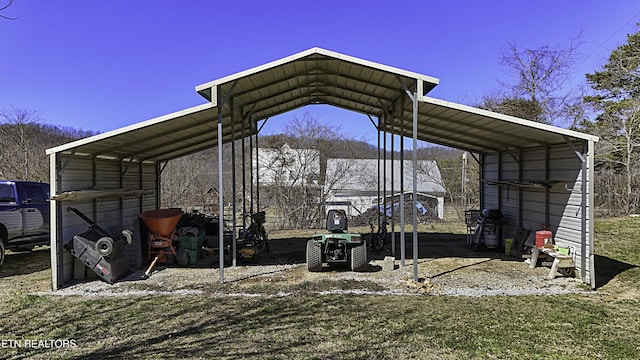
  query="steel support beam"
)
[
  {"x": 250, "y": 174},
  {"x": 220, "y": 191},
  {"x": 393, "y": 224},
  {"x": 384, "y": 168},
  {"x": 233, "y": 184},
  {"x": 378, "y": 202},
  {"x": 402, "y": 220},
  {"x": 257, "y": 176},
  {"x": 590, "y": 211},
  {"x": 414, "y": 159}
]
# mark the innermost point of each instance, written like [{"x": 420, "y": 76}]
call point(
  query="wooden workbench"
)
[{"x": 560, "y": 261}]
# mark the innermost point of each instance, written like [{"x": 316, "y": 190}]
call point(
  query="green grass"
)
[
  {"x": 334, "y": 326},
  {"x": 604, "y": 324},
  {"x": 617, "y": 245}
]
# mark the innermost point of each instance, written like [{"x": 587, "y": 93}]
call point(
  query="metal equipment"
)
[
  {"x": 471, "y": 220},
  {"x": 162, "y": 226},
  {"x": 254, "y": 239},
  {"x": 378, "y": 239},
  {"x": 488, "y": 231},
  {"x": 338, "y": 247},
  {"x": 98, "y": 250}
]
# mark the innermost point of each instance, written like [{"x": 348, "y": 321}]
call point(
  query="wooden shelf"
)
[{"x": 90, "y": 194}]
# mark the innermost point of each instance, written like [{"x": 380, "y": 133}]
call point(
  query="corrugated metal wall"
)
[
  {"x": 113, "y": 214},
  {"x": 513, "y": 182}
]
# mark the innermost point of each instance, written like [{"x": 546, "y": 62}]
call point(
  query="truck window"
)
[
  {"x": 35, "y": 193},
  {"x": 6, "y": 193}
]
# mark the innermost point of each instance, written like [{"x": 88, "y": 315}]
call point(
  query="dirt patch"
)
[{"x": 445, "y": 266}]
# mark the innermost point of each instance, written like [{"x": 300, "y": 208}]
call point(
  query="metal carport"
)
[{"x": 538, "y": 174}]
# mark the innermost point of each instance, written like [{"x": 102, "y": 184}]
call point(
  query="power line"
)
[{"x": 631, "y": 19}]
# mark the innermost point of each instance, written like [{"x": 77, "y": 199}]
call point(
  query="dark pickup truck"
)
[{"x": 24, "y": 215}]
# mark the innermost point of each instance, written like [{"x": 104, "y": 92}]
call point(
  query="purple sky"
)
[{"x": 101, "y": 65}]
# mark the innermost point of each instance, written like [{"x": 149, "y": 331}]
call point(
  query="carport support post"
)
[
  {"x": 220, "y": 192},
  {"x": 414, "y": 159},
  {"x": 589, "y": 177},
  {"x": 384, "y": 169},
  {"x": 393, "y": 224},
  {"x": 378, "y": 203},
  {"x": 250, "y": 174},
  {"x": 402, "y": 234},
  {"x": 233, "y": 183},
  {"x": 244, "y": 185},
  {"x": 257, "y": 174}
]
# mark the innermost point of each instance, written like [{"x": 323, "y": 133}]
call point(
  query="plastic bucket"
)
[
  {"x": 543, "y": 237},
  {"x": 507, "y": 245}
]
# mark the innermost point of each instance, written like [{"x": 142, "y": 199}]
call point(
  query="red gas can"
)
[{"x": 542, "y": 237}]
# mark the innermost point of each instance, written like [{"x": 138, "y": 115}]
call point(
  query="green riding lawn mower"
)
[{"x": 338, "y": 247}]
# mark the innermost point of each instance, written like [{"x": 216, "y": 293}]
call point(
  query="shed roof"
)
[{"x": 317, "y": 76}]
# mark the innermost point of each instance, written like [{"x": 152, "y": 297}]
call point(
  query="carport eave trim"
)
[
  {"x": 507, "y": 118},
  {"x": 126, "y": 129}
]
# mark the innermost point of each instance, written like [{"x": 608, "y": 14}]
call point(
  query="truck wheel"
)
[
  {"x": 1, "y": 251},
  {"x": 359, "y": 258},
  {"x": 314, "y": 256},
  {"x": 104, "y": 246}
]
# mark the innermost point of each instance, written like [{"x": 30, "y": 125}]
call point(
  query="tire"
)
[
  {"x": 379, "y": 244},
  {"x": 314, "y": 256},
  {"x": 265, "y": 236},
  {"x": 259, "y": 244},
  {"x": 104, "y": 246},
  {"x": 570, "y": 272},
  {"x": 1, "y": 251},
  {"x": 359, "y": 258}
]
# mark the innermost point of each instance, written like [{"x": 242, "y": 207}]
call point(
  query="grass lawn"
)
[{"x": 604, "y": 324}]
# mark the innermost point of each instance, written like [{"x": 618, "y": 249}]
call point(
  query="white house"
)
[
  {"x": 352, "y": 183},
  {"x": 286, "y": 166}
]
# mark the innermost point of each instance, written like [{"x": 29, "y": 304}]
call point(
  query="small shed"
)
[{"x": 538, "y": 175}]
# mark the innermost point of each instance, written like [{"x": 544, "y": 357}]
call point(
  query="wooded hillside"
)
[{"x": 24, "y": 142}]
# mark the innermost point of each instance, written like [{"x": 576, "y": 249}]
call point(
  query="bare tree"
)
[
  {"x": 540, "y": 90},
  {"x": 19, "y": 156},
  {"x": 299, "y": 180}
]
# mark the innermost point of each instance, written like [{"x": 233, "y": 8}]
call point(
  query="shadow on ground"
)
[
  {"x": 607, "y": 269},
  {"x": 26, "y": 262},
  {"x": 291, "y": 250}
]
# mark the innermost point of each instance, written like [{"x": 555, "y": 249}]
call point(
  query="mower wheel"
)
[
  {"x": 104, "y": 246},
  {"x": 1, "y": 252},
  {"x": 359, "y": 258},
  {"x": 314, "y": 256}
]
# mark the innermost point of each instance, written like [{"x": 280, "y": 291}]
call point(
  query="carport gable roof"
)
[{"x": 317, "y": 76}]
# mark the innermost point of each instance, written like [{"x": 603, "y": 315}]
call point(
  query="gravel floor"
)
[{"x": 445, "y": 267}]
